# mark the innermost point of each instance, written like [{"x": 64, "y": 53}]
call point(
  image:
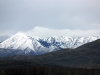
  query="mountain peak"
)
[
  {"x": 19, "y": 34},
  {"x": 17, "y": 41}
]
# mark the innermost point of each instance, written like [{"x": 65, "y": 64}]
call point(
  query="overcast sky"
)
[{"x": 45, "y": 18}]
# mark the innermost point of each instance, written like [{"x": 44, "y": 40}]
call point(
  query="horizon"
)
[{"x": 1, "y": 40}]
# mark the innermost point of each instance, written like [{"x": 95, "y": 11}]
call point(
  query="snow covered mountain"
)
[{"x": 21, "y": 44}]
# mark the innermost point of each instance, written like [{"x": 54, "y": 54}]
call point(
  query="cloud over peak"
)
[{"x": 47, "y": 32}]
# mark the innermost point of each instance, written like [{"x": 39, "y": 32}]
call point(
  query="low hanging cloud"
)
[{"x": 47, "y": 32}]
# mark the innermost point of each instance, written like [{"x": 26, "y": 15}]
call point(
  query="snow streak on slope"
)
[{"x": 35, "y": 45}]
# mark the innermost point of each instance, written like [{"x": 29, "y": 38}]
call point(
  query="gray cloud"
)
[{"x": 24, "y": 15}]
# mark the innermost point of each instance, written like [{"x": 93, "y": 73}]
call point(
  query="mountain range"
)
[
  {"x": 20, "y": 44},
  {"x": 85, "y": 56}
]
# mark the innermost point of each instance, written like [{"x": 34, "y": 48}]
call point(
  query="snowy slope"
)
[
  {"x": 25, "y": 43},
  {"x": 18, "y": 41},
  {"x": 67, "y": 42},
  {"x": 28, "y": 45}
]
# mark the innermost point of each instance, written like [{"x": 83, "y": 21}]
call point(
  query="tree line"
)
[{"x": 48, "y": 70}]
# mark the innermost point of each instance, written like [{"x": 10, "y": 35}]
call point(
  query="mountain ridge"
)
[{"x": 37, "y": 46}]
